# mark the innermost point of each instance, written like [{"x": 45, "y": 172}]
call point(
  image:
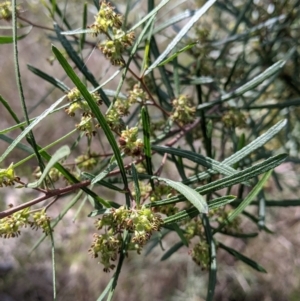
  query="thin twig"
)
[{"x": 49, "y": 194}]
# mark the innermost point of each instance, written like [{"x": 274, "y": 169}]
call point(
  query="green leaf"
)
[
  {"x": 50, "y": 79},
  {"x": 174, "y": 55},
  {"x": 104, "y": 173},
  {"x": 77, "y": 31},
  {"x": 243, "y": 175},
  {"x": 239, "y": 235},
  {"x": 179, "y": 232},
  {"x": 10, "y": 39},
  {"x": 202, "y": 160},
  {"x": 106, "y": 290},
  {"x": 147, "y": 144},
  {"x": 153, "y": 12},
  {"x": 106, "y": 184},
  {"x": 244, "y": 152},
  {"x": 80, "y": 64},
  {"x": 246, "y": 201},
  {"x": 200, "y": 12},
  {"x": 239, "y": 177},
  {"x": 94, "y": 108},
  {"x": 191, "y": 195},
  {"x": 212, "y": 280},
  {"x": 61, "y": 153},
  {"x": 243, "y": 258},
  {"x": 30, "y": 127},
  {"x": 99, "y": 212},
  {"x": 172, "y": 250},
  {"x": 193, "y": 212},
  {"x": 246, "y": 87},
  {"x": 136, "y": 184},
  {"x": 10, "y": 110}
]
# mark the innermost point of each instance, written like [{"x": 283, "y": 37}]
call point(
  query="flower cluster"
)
[
  {"x": 87, "y": 162},
  {"x": 10, "y": 226},
  {"x": 163, "y": 191},
  {"x": 106, "y": 19},
  {"x": 7, "y": 176},
  {"x": 136, "y": 94},
  {"x": 184, "y": 112},
  {"x": 41, "y": 220},
  {"x": 113, "y": 117},
  {"x": 6, "y": 10},
  {"x": 140, "y": 223},
  {"x": 145, "y": 190},
  {"x": 233, "y": 226},
  {"x": 234, "y": 118},
  {"x": 200, "y": 254},
  {"x": 194, "y": 228},
  {"x": 86, "y": 125},
  {"x": 121, "y": 108},
  {"x": 78, "y": 103},
  {"x": 114, "y": 48},
  {"x": 108, "y": 22},
  {"x": 129, "y": 142},
  {"x": 53, "y": 176}
]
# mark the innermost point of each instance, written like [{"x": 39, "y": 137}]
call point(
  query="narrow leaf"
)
[
  {"x": 80, "y": 64},
  {"x": 10, "y": 39},
  {"x": 136, "y": 184},
  {"x": 104, "y": 173},
  {"x": 181, "y": 34},
  {"x": 58, "y": 155},
  {"x": 240, "y": 177},
  {"x": 174, "y": 55},
  {"x": 172, "y": 250},
  {"x": 95, "y": 109},
  {"x": 146, "y": 134},
  {"x": 246, "y": 87},
  {"x": 50, "y": 79},
  {"x": 153, "y": 12},
  {"x": 200, "y": 159},
  {"x": 30, "y": 127},
  {"x": 245, "y": 151},
  {"x": 193, "y": 212},
  {"x": 243, "y": 258},
  {"x": 246, "y": 201},
  {"x": 191, "y": 195}
]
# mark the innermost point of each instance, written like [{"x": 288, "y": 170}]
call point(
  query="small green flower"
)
[
  {"x": 10, "y": 225},
  {"x": 6, "y": 10},
  {"x": 7, "y": 176},
  {"x": 183, "y": 112},
  {"x": 86, "y": 125},
  {"x": 129, "y": 142},
  {"x": 200, "y": 254},
  {"x": 234, "y": 118},
  {"x": 78, "y": 102},
  {"x": 108, "y": 246},
  {"x": 137, "y": 94},
  {"x": 139, "y": 222},
  {"x": 41, "y": 220},
  {"x": 113, "y": 49},
  {"x": 105, "y": 19},
  {"x": 87, "y": 162}
]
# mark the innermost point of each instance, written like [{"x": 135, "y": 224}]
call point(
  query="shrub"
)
[{"x": 188, "y": 119}]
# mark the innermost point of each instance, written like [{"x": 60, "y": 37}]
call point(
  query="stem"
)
[{"x": 48, "y": 194}]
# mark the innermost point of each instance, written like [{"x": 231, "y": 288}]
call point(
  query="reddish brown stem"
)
[{"x": 49, "y": 194}]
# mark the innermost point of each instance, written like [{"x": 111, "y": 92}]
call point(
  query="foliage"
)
[{"x": 183, "y": 121}]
